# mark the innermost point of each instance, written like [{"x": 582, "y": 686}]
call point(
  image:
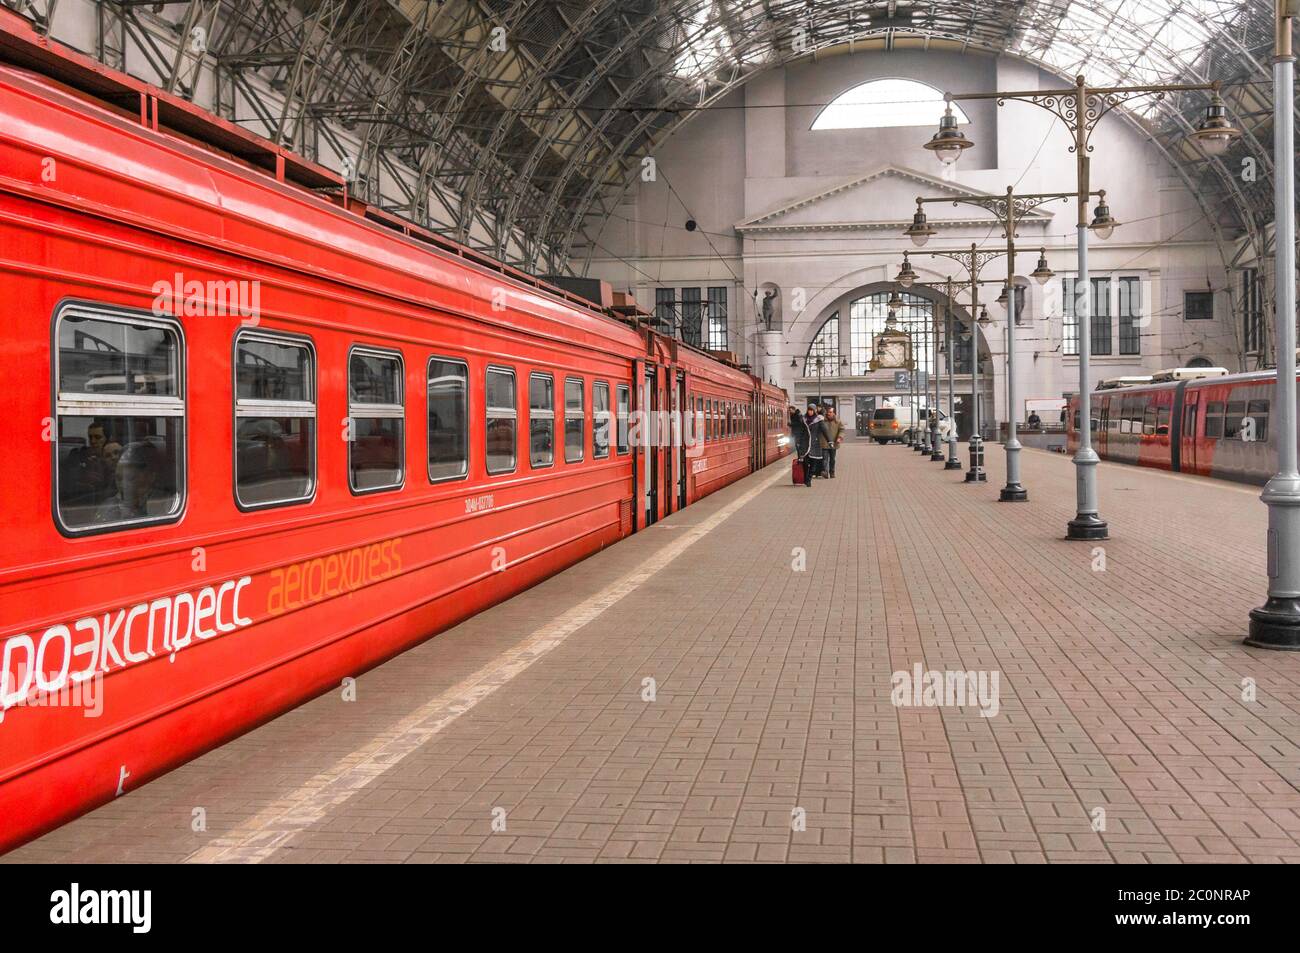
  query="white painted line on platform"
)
[{"x": 259, "y": 837}]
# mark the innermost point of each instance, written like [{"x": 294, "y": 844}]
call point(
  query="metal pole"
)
[
  {"x": 936, "y": 453},
  {"x": 976, "y": 472},
  {"x": 922, "y": 445},
  {"x": 911, "y": 381},
  {"x": 912, "y": 439},
  {"x": 1276, "y": 624},
  {"x": 1013, "y": 492},
  {"x": 1087, "y": 523},
  {"x": 953, "y": 463}
]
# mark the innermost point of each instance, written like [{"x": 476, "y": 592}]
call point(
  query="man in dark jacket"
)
[{"x": 834, "y": 436}]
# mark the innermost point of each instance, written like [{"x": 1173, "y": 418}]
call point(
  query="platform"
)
[{"x": 771, "y": 735}]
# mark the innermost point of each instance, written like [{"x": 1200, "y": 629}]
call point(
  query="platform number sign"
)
[{"x": 902, "y": 380}]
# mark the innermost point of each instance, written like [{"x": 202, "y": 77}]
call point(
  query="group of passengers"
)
[{"x": 816, "y": 435}]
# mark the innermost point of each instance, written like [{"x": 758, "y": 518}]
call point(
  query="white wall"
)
[{"x": 734, "y": 163}]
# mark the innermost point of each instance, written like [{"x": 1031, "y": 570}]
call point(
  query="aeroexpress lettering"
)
[{"x": 66, "y": 654}]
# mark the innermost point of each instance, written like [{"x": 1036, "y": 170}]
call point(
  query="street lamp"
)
[
  {"x": 1103, "y": 225},
  {"x": 906, "y": 276},
  {"x": 1081, "y": 109},
  {"x": 948, "y": 143},
  {"x": 935, "y": 445},
  {"x": 1276, "y": 624},
  {"x": 1043, "y": 273},
  {"x": 1215, "y": 133},
  {"x": 920, "y": 231},
  {"x": 1010, "y": 210},
  {"x": 973, "y": 260}
]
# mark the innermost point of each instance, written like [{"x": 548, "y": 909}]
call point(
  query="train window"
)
[
  {"x": 275, "y": 419},
  {"x": 502, "y": 420},
  {"x": 120, "y": 445},
  {"x": 377, "y": 419},
  {"x": 1149, "y": 422},
  {"x": 1214, "y": 419},
  {"x": 1257, "y": 413},
  {"x": 1232, "y": 419},
  {"x": 1189, "y": 421},
  {"x": 575, "y": 420},
  {"x": 448, "y": 387},
  {"x": 1162, "y": 422},
  {"x": 622, "y": 409},
  {"x": 541, "y": 420},
  {"x": 600, "y": 420}
]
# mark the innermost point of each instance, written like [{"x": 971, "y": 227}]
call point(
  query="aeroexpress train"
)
[
  {"x": 1203, "y": 421},
  {"x": 261, "y": 436}
]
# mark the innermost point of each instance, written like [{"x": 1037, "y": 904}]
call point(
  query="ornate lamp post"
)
[
  {"x": 1081, "y": 108},
  {"x": 1276, "y": 624},
  {"x": 936, "y": 336},
  {"x": 1010, "y": 211},
  {"x": 973, "y": 260}
]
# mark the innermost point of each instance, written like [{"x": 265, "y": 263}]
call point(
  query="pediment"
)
[{"x": 884, "y": 199}]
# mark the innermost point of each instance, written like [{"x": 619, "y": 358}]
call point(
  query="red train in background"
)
[
  {"x": 262, "y": 437},
  {"x": 1188, "y": 420}
]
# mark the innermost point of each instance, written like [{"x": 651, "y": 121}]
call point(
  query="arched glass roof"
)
[{"x": 525, "y": 144}]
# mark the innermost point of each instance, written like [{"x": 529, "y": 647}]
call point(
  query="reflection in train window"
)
[
  {"x": 1214, "y": 419},
  {"x": 121, "y": 420},
  {"x": 1162, "y": 422},
  {"x": 377, "y": 421},
  {"x": 1233, "y": 418},
  {"x": 623, "y": 408},
  {"x": 1257, "y": 413},
  {"x": 575, "y": 420},
  {"x": 502, "y": 419},
  {"x": 541, "y": 420},
  {"x": 275, "y": 419},
  {"x": 448, "y": 394},
  {"x": 600, "y": 420}
]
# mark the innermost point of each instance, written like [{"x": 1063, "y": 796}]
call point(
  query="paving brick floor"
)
[{"x": 1123, "y": 730}]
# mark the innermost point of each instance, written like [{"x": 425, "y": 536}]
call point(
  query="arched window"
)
[
  {"x": 1200, "y": 362},
  {"x": 826, "y": 345},
  {"x": 867, "y": 318},
  {"x": 883, "y": 103}
]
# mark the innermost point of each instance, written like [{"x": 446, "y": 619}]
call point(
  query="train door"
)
[
  {"x": 648, "y": 441},
  {"x": 1187, "y": 432},
  {"x": 1100, "y": 423},
  {"x": 664, "y": 386},
  {"x": 683, "y": 408}
]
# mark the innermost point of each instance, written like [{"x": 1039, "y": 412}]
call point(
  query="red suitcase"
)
[{"x": 798, "y": 471}]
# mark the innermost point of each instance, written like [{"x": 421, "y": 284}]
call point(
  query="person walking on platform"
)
[
  {"x": 815, "y": 456},
  {"x": 800, "y": 438},
  {"x": 834, "y": 436}
]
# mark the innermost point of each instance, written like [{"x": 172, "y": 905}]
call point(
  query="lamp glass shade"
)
[{"x": 947, "y": 154}]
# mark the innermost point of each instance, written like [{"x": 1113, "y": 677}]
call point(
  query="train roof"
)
[
  {"x": 115, "y": 102},
  {"x": 107, "y": 130}
]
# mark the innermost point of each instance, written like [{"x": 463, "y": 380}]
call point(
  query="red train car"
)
[
  {"x": 263, "y": 439},
  {"x": 1215, "y": 425}
]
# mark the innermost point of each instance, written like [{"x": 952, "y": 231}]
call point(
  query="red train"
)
[
  {"x": 1201, "y": 421},
  {"x": 262, "y": 437}
]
